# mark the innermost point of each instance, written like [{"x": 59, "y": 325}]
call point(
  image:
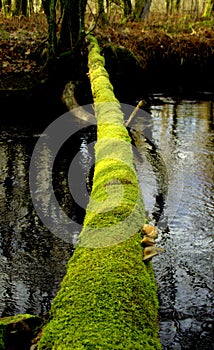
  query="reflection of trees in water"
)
[
  {"x": 12, "y": 208},
  {"x": 31, "y": 258},
  {"x": 174, "y": 119},
  {"x": 66, "y": 184},
  {"x": 211, "y": 119},
  {"x": 185, "y": 286},
  {"x": 184, "y": 281}
]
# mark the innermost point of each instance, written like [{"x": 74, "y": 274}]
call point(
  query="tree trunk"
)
[
  {"x": 146, "y": 9},
  {"x": 52, "y": 35},
  {"x": 19, "y": 7},
  {"x": 73, "y": 32},
  {"x": 6, "y": 7},
  {"x": 73, "y": 25},
  {"x": 209, "y": 9},
  {"x": 101, "y": 12},
  {"x": 172, "y": 6},
  {"x": 139, "y": 7},
  {"x": 127, "y": 8}
]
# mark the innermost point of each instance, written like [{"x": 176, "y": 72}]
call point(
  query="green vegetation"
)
[
  {"x": 182, "y": 24},
  {"x": 107, "y": 298},
  {"x": 26, "y": 323}
]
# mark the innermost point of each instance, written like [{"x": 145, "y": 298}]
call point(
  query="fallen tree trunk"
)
[{"x": 107, "y": 298}]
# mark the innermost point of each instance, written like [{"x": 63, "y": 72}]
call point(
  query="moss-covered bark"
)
[
  {"x": 209, "y": 9},
  {"x": 107, "y": 298},
  {"x": 16, "y": 332}
]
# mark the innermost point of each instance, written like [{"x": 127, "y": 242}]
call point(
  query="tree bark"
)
[
  {"x": 127, "y": 8},
  {"x": 146, "y": 9},
  {"x": 52, "y": 35},
  {"x": 72, "y": 32},
  {"x": 6, "y": 7},
  {"x": 19, "y": 7},
  {"x": 73, "y": 25},
  {"x": 139, "y": 7},
  {"x": 209, "y": 9},
  {"x": 101, "y": 12}
]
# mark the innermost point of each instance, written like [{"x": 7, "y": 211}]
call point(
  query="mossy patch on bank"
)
[
  {"x": 16, "y": 332},
  {"x": 108, "y": 297}
]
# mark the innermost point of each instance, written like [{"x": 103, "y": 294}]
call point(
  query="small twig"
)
[
  {"x": 40, "y": 45},
  {"x": 132, "y": 115}
]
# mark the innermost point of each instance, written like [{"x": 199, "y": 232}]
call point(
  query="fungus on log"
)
[{"x": 108, "y": 297}]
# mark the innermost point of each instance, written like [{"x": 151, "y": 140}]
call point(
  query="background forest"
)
[{"x": 62, "y": 34}]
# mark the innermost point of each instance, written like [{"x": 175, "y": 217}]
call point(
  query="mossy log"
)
[{"x": 108, "y": 297}]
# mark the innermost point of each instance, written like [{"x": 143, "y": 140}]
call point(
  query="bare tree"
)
[
  {"x": 19, "y": 7},
  {"x": 138, "y": 10},
  {"x": 127, "y": 8},
  {"x": 101, "y": 11},
  {"x": 172, "y": 6},
  {"x": 209, "y": 9},
  {"x": 142, "y": 8},
  {"x": 6, "y": 7}
]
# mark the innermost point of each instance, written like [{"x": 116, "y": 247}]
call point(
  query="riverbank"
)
[
  {"x": 145, "y": 57},
  {"x": 174, "y": 51}
]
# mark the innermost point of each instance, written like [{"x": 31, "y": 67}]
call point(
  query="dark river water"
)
[{"x": 176, "y": 174}]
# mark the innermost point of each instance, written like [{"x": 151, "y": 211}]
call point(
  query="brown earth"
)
[
  {"x": 155, "y": 42},
  {"x": 21, "y": 42}
]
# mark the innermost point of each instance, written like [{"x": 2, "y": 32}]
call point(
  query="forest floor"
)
[
  {"x": 161, "y": 39},
  {"x": 23, "y": 41},
  {"x": 20, "y": 41}
]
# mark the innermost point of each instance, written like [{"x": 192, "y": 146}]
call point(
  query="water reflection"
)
[
  {"x": 32, "y": 261},
  {"x": 176, "y": 178},
  {"x": 183, "y": 132}
]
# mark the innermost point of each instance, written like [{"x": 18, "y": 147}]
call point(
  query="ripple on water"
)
[{"x": 184, "y": 272}]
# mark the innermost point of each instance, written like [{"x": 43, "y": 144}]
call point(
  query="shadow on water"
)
[{"x": 174, "y": 162}]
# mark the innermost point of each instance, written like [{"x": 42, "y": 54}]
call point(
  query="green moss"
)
[
  {"x": 107, "y": 298},
  {"x": 107, "y": 301},
  {"x": 14, "y": 319},
  {"x": 22, "y": 323}
]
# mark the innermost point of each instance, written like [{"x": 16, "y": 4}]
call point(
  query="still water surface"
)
[
  {"x": 176, "y": 177},
  {"x": 184, "y": 134}
]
